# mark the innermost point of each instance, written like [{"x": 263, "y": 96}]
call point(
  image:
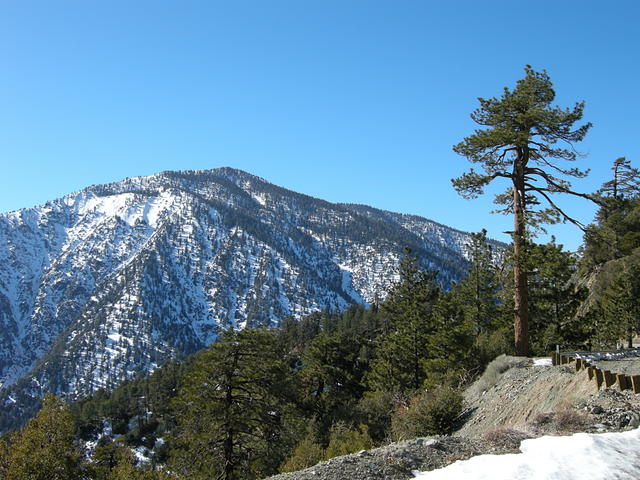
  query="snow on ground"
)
[
  {"x": 610, "y": 355},
  {"x": 141, "y": 454},
  {"x": 581, "y": 456},
  {"x": 542, "y": 362}
]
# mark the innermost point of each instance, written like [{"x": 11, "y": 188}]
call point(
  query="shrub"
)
[
  {"x": 429, "y": 413},
  {"x": 542, "y": 419},
  {"x": 492, "y": 373},
  {"x": 565, "y": 419},
  {"x": 343, "y": 441},
  {"x": 375, "y": 410},
  {"x": 306, "y": 454},
  {"x": 568, "y": 419},
  {"x": 506, "y": 437}
]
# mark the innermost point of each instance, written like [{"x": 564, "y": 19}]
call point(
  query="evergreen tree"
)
[
  {"x": 450, "y": 346},
  {"x": 609, "y": 254},
  {"x": 125, "y": 466},
  {"x": 620, "y": 302},
  {"x": 232, "y": 409},
  {"x": 520, "y": 144},
  {"x": 105, "y": 458},
  {"x": 554, "y": 299},
  {"x": 126, "y": 469},
  {"x": 479, "y": 297},
  {"x": 332, "y": 376},
  {"x": 478, "y": 292},
  {"x": 617, "y": 229},
  {"x": 625, "y": 182},
  {"x": 45, "y": 449},
  {"x": 403, "y": 346}
]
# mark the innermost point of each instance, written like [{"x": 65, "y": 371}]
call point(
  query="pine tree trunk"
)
[{"x": 521, "y": 295}]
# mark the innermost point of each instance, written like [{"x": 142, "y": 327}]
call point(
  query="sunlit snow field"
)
[{"x": 582, "y": 456}]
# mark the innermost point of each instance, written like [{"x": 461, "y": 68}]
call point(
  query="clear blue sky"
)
[{"x": 347, "y": 100}]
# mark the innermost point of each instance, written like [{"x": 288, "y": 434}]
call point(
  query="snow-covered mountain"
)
[{"x": 115, "y": 279}]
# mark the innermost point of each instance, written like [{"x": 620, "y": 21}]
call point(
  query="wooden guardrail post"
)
[
  {"x": 602, "y": 377},
  {"x": 609, "y": 378},
  {"x": 621, "y": 380},
  {"x": 599, "y": 377}
]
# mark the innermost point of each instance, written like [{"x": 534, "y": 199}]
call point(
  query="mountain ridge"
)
[{"x": 113, "y": 280}]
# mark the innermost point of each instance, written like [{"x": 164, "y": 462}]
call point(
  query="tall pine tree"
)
[
  {"x": 232, "y": 409},
  {"x": 398, "y": 363},
  {"x": 522, "y": 143}
]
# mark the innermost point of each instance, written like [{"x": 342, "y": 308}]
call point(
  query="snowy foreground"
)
[{"x": 581, "y": 456}]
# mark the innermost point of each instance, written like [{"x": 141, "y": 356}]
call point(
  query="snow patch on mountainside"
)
[{"x": 347, "y": 283}]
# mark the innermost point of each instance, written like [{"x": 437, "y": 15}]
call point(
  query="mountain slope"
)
[{"x": 116, "y": 279}]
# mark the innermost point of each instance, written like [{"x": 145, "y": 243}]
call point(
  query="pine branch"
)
[{"x": 577, "y": 223}]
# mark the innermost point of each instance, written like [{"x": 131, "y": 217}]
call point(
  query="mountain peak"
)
[{"x": 114, "y": 280}]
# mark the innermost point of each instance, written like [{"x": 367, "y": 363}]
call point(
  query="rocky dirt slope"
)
[
  {"x": 521, "y": 402},
  {"x": 396, "y": 461},
  {"x": 545, "y": 399}
]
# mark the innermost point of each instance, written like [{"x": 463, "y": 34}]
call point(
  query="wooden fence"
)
[{"x": 601, "y": 377}]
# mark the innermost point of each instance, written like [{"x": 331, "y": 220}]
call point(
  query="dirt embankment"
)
[
  {"x": 526, "y": 397},
  {"x": 520, "y": 394}
]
